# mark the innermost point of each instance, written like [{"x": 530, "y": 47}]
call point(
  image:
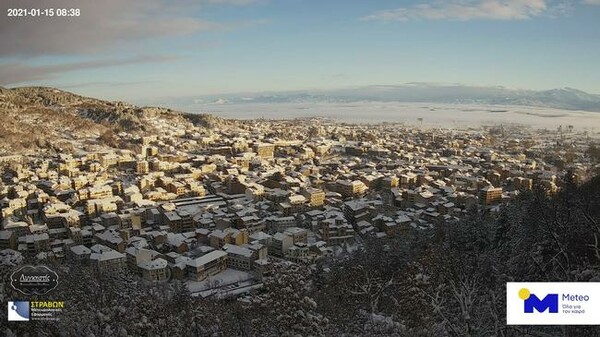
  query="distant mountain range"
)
[{"x": 563, "y": 98}]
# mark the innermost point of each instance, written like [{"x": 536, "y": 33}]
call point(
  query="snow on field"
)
[
  {"x": 437, "y": 115},
  {"x": 224, "y": 278},
  {"x": 230, "y": 282}
]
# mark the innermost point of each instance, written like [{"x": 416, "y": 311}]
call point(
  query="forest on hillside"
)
[{"x": 447, "y": 281}]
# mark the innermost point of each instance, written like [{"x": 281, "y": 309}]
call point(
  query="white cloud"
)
[
  {"x": 120, "y": 28},
  {"x": 234, "y": 2},
  {"x": 591, "y": 2},
  {"x": 105, "y": 24},
  {"x": 464, "y": 10}
]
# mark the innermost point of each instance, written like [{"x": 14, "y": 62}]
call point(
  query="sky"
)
[{"x": 143, "y": 50}]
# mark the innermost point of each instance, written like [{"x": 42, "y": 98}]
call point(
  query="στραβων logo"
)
[{"x": 18, "y": 311}]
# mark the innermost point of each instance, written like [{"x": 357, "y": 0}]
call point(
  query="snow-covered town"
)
[
  {"x": 259, "y": 168},
  {"x": 217, "y": 208}
]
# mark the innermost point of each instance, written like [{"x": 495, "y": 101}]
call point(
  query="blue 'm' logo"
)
[{"x": 531, "y": 301}]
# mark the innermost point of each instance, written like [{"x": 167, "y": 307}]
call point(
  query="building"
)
[
  {"x": 315, "y": 196},
  {"x": 112, "y": 239},
  {"x": 490, "y": 195},
  {"x": 98, "y": 192},
  {"x": 8, "y": 239},
  {"x": 179, "y": 221},
  {"x": 298, "y": 235},
  {"x": 154, "y": 270},
  {"x": 298, "y": 253},
  {"x": 80, "y": 253},
  {"x": 142, "y": 167},
  {"x": 349, "y": 188},
  {"x": 239, "y": 257},
  {"x": 280, "y": 244},
  {"x": 34, "y": 243},
  {"x": 523, "y": 183},
  {"x": 356, "y": 211},
  {"x": 106, "y": 260},
  {"x": 334, "y": 233},
  {"x": 294, "y": 204},
  {"x": 264, "y": 150},
  {"x": 408, "y": 180},
  {"x": 219, "y": 238},
  {"x": 279, "y": 224},
  {"x": 207, "y": 265},
  {"x": 136, "y": 256},
  {"x": 176, "y": 188}
]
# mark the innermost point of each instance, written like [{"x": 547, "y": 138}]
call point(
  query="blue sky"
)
[{"x": 141, "y": 50}]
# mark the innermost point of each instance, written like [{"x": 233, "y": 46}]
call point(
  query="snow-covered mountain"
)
[{"x": 563, "y": 98}]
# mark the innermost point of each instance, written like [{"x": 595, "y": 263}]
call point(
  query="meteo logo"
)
[
  {"x": 553, "y": 303},
  {"x": 532, "y": 301}
]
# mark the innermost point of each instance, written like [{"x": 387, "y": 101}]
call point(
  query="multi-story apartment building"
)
[
  {"x": 106, "y": 260},
  {"x": 219, "y": 238},
  {"x": 298, "y": 235},
  {"x": 264, "y": 150},
  {"x": 207, "y": 265},
  {"x": 239, "y": 257},
  {"x": 280, "y": 243},
  {"x": 315, "y": 196},
  {"x": 490, "y": 195},
  {"x": 8, "y": 239},
  {"x": 79, "y": 253},
  {"x": 349, "y": 188},
  {"x": 154, "y": 270}
]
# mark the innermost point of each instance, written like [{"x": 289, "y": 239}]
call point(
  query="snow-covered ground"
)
[
  {"x": 227, "y": 282},
  {"x": 438, "y": 115}
]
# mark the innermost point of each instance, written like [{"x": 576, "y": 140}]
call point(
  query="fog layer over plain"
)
[{"x": 439, "y": 115}]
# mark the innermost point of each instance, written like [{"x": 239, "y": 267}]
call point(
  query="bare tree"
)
[{"x": 370, "y": 287}]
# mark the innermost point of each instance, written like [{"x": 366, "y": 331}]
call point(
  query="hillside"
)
[{"x": 34, "y": 119}]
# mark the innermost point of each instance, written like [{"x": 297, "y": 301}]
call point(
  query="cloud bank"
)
[
  {"x": 103, "y": 25},
  {"x": 21, "y": 72},
  {"x": 104, "y": 29},
  {"x": 465, "y": 10}
]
